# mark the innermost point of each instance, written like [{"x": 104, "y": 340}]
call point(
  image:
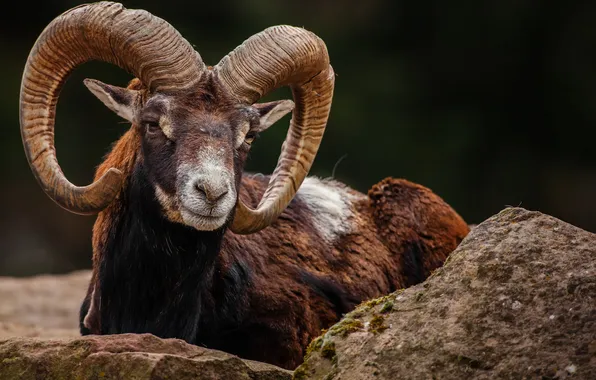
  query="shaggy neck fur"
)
[{"x": 153, "y": 271}]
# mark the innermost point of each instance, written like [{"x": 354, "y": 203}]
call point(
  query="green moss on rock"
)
[
  {"x": 377, "y": 324},
  {"x": 387, "y": 307},
  {"x": 366, "y": 306},
  {"x": 300, "y": 373},
  {"x": 314, "y": 346},
  {"x": 328, "y": 350},
  {"x": 346, "y": 326}
]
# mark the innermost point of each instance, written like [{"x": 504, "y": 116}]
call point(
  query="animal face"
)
[{"x": 194, "y": 145}]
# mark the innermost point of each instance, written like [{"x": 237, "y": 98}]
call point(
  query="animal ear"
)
[
  {"x": 120, "y": 100},
  {"x": 272, "y": 112}
]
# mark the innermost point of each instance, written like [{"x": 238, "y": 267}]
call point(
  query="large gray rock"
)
[
  {"x": 126, "y": 356},
  {"x": 517, "y": 299}
]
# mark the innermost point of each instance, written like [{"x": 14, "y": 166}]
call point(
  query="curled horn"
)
[
  {"x": 135, "y": 40},
  {"x": 278, "y": 56}
]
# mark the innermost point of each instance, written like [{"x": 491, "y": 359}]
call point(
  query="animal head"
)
[
  {"x": 196, "y": 123},
  {"x": 194, "y": 145}
]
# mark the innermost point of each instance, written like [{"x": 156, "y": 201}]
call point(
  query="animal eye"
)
[
  {"x": 152, "y": 127},
  {"x": 250, "y": 136}
]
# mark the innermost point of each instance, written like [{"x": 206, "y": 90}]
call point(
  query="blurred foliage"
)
[{"x": 487, "y": 103}]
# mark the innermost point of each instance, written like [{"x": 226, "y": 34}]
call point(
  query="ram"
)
[{"x": 186, "y": 245}]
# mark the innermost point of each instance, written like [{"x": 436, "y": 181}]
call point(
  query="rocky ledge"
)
[
  {"x": 516, "y": 299},
  {"x": 125, "y": 356}
]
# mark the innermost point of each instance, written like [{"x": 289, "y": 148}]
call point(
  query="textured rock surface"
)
[
  {"x": 126, "y": 356},
  {"x": 48, "y": 306},
  {"x": 517, "y": 299},
  {"x": 42, "y": 306}
]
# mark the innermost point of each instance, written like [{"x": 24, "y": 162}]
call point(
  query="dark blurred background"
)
[{"x": 487, "y": 103}]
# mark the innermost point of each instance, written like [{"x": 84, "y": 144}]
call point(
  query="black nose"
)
[{"x": 210, "y": 193}]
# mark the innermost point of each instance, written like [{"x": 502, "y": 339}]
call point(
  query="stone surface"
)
[
  {"x": 47, "y": 307},
  {"x": 125, "y": 356},
  {"x": 517, "y": 299},
  {"x": 42, "y": 306}
]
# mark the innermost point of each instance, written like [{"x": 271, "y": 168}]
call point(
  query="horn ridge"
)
[
  {"x": 278, "y": 56},
  {"x": 135, "y": 40}
]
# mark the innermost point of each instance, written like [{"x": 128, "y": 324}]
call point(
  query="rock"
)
[
  {"x": 48, "y": 307},
  {"x": 43, "y": 306},
  {"x": 125, "y": 356},
  {"x": 517, "y": 299}
]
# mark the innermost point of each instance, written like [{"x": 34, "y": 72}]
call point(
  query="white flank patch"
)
[{"x": 330, "y": 204}]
